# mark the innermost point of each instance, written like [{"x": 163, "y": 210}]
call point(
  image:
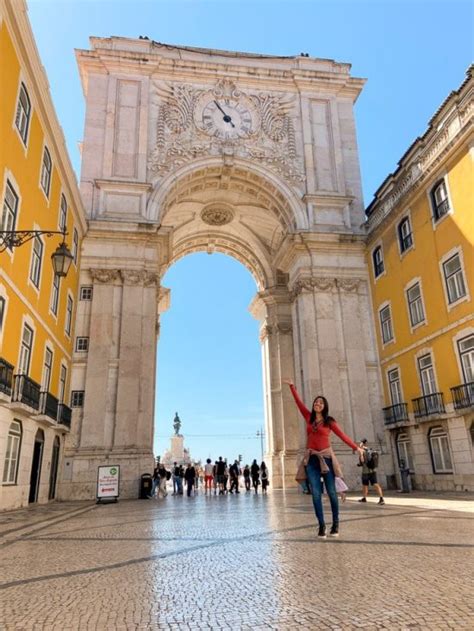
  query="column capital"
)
[
  {"x": 309, "y": 284},
  {"x": 349, "y": 285},
  {"x": 104, "y": 276},
  {"x": 139, "y": 277}
]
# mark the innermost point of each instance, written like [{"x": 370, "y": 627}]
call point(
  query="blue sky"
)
[{"x": 412, "y": 52}]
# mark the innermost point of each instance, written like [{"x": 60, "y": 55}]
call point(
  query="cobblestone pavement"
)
[{"x": 238, "y": 562}]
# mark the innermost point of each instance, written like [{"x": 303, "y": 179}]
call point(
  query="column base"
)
[{"x": 79, "y": 473}]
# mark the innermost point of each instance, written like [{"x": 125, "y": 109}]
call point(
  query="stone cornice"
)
[
  {"x": 449, "y": 129},
  {"x": 325, "y": 284}
]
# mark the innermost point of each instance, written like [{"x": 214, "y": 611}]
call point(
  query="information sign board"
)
[{"x": 108, "y": 480}]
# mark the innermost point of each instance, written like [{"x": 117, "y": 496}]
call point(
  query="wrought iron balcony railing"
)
[
  {"x": 428, "y": 405},
  {"x": 26, "y": 391},
  {"x": 6, "y": 377},
  {"x": 48, "y": 405},
  {"x": 395, "y": 413},
  {"x": 64, "y": 415},
  {"x": 463, "y": 395}
]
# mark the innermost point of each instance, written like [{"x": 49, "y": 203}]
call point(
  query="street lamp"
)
[
  {"x": 61, "y": 258},
  {"x": 261, "y": 435}
]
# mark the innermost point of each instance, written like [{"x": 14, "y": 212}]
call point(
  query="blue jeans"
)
[{"x": 313, "y": 471}]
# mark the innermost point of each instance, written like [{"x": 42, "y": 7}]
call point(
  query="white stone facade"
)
[{"x": 190, "y": 150}]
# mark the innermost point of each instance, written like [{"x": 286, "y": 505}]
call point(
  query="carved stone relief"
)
[
  {"x": 190, "y": 123},
  {"x": 104, "y": 276}
]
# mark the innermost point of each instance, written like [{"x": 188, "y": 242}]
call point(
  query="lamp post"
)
[
  {"x": 61, "y": 258},
  {"x": 261, "y": 434}
]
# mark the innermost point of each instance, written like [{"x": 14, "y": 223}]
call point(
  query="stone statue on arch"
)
[{"x": 177, "y": 424}]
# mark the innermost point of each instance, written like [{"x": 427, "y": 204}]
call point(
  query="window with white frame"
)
[
  {"x": 404, "y": 450},
  {"x": 26, "y": 347},
  {"x": 439, "y": 200},
  {"x": 415, "y": 304},
  {"x": 454, "y": 278},
  {"x": 62, "y": 383},
  {"x": 69, "y": 309},
  {"x": 63, "y": 214},
  {"x": 82, "y": 344},
  {"x": 85, "y": 292},
  {"x": 23, "y": 113},
  {"x": 427, "y": 374},
  {"x": 405, "y": 237},
  {"x": 36, "y": 261},
  {"x": 75, "y": 245},
  {"x": 10, "y": 209},
  {"x": 46, "y": 171},
  {"x": 12, "y": 454},
  {"x": 77, "y": 398},
  {"x": 2, "y": 311},
  {"x": 395, "y": 386},
  {"x": 386, "y": 324},
  {"x": 377, "y": 259},
  {"x": 55, "y": 294},
  {"x": 466, "y": 354},
  {"x": 440, "y": 452},
  {"x": 47, "y": 370}
]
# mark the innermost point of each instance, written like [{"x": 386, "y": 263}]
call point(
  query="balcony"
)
[
  {"x": 64, "y": 415},
  {"x": 26, "y": 394},
  {"x": 48, "y": 409},
  {"x": 6, "y": 378},
  {"x": 428, "y": 405},
  {"x": 463, "y": 396},
  {"x": 397, "y": 413}
]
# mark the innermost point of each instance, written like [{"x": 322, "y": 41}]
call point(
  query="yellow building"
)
[
  {"x": 420, "y": 257},
  {"x": 37, "y": 307}
]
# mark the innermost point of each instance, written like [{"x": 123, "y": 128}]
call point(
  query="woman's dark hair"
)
[
  {"x": 326, "y": 418},
  {"x": 208, "y": 461}
]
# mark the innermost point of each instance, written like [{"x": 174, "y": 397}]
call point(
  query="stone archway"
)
[{"x": 277, "y": 187}]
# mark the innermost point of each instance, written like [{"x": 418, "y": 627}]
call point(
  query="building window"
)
[
  {"x": 377, "y": 258},
  {"x": 47, "y": 369},
  {"x": 466, "y": 354},
  {"x": 427, "y": 375},
  {"x": 405, "y": 237},
  {"x": 36, "y": 261},
  {"x": 69, "y": 308},
  {"x": 46, "y": 170},
  {"x": 55, "y": 294},
  {"x": 395, "y": 387},
  {"x": 404, "y": 451},
  {"x": 77, "y": 399},
  {"x": 386, "y": 324},
  {"x": 62, "y": 383},
  {"x": 440, "y": 453},
  {"x": 63, "y": 214},
  {"x": 2, "y": 312},
  {"x": 439, "y": 200},
  {"x": 85, "y": 292},
  {"x": 10, "y": 209},
  {"x": 25, "y": 350},
  {"x": 12, "y": 455},
  {"x": 453, "y": 276},
  {"x": 415, "y": 304},
  {"x": 82, "y": 344},
  {"x": 75, "y": 245},
  {"x": 23, "y": 113}
]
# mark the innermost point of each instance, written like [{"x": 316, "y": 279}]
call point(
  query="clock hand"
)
[{"x": 227, "y": 118}]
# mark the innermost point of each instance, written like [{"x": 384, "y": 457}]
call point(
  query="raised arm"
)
[{"x": 301, "y": 406}]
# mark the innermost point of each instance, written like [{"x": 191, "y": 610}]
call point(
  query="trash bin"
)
[
  {"x": 404, "y": 476},
  {"x": 146, "y": 483}
]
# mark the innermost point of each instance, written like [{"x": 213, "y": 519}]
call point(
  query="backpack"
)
[
  {"x": 168, "y": 475},
  {"x": 372, "y": 459}
]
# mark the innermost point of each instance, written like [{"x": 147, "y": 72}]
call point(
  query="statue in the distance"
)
[{"x": 177, "y": 424}]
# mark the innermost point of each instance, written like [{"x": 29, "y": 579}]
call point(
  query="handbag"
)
[{"x": 301, "y": 473}]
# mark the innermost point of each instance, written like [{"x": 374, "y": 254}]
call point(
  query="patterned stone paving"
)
[{"x": 237, "y": 562}]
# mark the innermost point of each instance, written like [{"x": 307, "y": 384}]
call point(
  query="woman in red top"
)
[{"x": 321, "y": 461}]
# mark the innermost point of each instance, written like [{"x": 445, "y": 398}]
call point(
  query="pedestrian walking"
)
[
  {"x": 175, "y": 478},
  {"x": 189, "y": 476},
  {"x": 220, "y": 474},
  {"x": 155, "y": 481},
  {"x": 234, "y": 472},
  {"x": 163, "y": 473},
  {"x": 264, "y": 477},
  {"x": 369, "y": 463},
  {"x": 320, "y": 458},
  {"x": 246, "y": 473},
  {"x": 255, "y": 475},
  {"x": 208, "y": 475},
  {"x": 180, "y": 479}
]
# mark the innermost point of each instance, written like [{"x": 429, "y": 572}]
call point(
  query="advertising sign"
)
[{"x": 108, "y": 478}]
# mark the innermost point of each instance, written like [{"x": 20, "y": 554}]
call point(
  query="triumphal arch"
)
[{"x": 196, "y": 150}]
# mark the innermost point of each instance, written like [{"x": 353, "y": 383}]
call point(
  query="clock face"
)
[{"x": 227, "y": 118}]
